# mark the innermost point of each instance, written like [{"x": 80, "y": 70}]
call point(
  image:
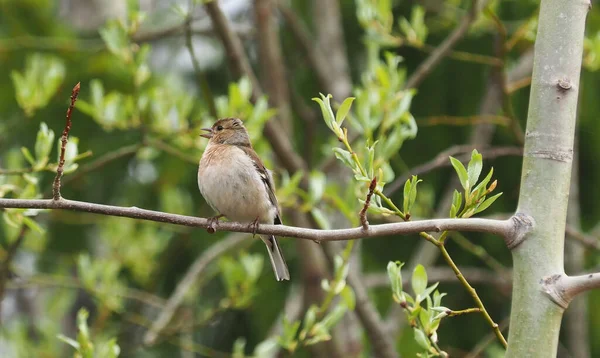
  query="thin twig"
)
[
  {"x": 467, "y": 285},
  {"x": 363, "y": 212},
  {"x": 272, "y": 64},
  {"x": 103, "y": 160},
  {"x": 19, "y": 171},
  {"x": 507, "y": 106},
  {"x": 187, "y": 282},
  {"x": 463, "y": 120},
  {"x": 452, "y": 313},
  {"x": 200, "y": 77},
  {"x": 502, "y": 228},
  {"x": 63, "y": 147},
  {"x": 442, "y": 50},
  {"x": 307, "y": 45},
  {"x": 586, "y": 240}
]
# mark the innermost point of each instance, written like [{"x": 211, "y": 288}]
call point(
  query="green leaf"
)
[
  {"x": 395, "y": 276},
  {"x": 486, "y": 204},
  {"x": 348, "y": 297},
  {"x": 421, "y": 339},
  {"x": 456, "y": 203},
  {"x": 327, "y": 112},
  {"x": 39, "y": 82},
  {"x": 344, "y": 156},
  {"x": 320, "y": 218},
  {"x": 407, "y": 187},
  {"x": 342, "y": 112},
  {"x": 437, "y": 298},
  {"x": 316, "y": 186},
  {"x": 117, "y": 40},
  {"x": 43, "y": 144},
  {"x": 425, "y": 294},
  {"x": 27, "y": 155},
  {"x": 309, "y": 320},
  {"x": 480, "y": 188},
  {"x": 70, "y": 341},
  {"x": 462, "y": 173},
  {"x": 239, "y": 346},
  {"x": 475, "y": 166},
  {"x": 410, "y": 193},
  {"x": 34, "y": 226},
  {"x": 334, "y": 316},
  {"x": 419, "y": 279}
]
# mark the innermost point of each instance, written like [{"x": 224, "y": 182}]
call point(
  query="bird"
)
[{"x": 235, "y": 183}]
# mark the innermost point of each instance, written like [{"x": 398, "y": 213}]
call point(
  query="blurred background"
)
[{"x": 153, "y": 72}]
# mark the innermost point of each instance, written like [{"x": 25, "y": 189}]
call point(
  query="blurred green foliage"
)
[{"x": 135, "y": 141}]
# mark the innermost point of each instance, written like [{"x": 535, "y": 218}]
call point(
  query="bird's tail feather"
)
[{"x": 277, "y": 261}]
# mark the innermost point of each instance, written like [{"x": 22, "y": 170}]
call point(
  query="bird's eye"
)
[{"x": 219, "y": 128}]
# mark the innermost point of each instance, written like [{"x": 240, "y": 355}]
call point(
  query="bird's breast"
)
[{"x": 233, "y": 186}]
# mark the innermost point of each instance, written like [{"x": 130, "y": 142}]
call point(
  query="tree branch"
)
[
  {"x": 272, "y": 65},
  {"x": 187, "y": 282},
  {"x": 302, "y": 36},
  {"x": 504, "y": 228},
  {"x": 436, "y": 56},
  {"x": 240, "y": 66},
  {"x": 562, "y": 288}
]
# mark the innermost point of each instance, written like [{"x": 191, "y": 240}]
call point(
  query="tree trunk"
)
[{"x": 545, "y": 181}]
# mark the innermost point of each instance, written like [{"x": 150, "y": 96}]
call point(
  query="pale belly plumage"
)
[{"x": 235, "y": 189}]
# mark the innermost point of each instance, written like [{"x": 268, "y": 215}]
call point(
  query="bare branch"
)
[
  {"x": 327, "y": 17},
  {"x": 562, "y": 288},
  {"x": 64, "y": 139},
  {"x": 505, "y": 228},
  {"x": 187, "y": 282},
  {"x": 240, "y": 66},
  {"x": 317, "y": 62},
  {"x": 442, "y": 50},
  {"x": 200, "y": 77},
  {"x": 585, "y": 240},
  {"x": 272, "y": 65}
]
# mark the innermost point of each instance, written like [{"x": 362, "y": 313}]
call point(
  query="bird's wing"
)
[{"x": 266, "y": 178}]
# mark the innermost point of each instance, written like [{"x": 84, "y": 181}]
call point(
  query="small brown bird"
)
[{"x": 236, "y": 184}]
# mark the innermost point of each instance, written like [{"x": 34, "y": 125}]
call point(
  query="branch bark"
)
[
  {"x": 562, "y": 288},
  {"x": 504, "y": 228},
  {"x": 546, "y": 174}
]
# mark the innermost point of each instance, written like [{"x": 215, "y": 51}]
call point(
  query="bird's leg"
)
[
  {"x": 254, "y": 226},
  {"x": 212, "y": 223}
]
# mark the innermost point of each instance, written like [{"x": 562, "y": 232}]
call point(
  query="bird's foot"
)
[
  {"x": 254, "y": 226},
  {"x": 213, "y": 222}
]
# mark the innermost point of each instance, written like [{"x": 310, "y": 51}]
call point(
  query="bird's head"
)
[{"x": 227, "y": 131}]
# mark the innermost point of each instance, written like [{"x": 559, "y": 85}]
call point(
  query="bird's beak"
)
[{"x": 207, "y": 135}]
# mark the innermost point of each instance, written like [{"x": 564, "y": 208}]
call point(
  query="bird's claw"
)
[
  {"x": 254, "y": 226},
  {"x": 213, "y": 222}
]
